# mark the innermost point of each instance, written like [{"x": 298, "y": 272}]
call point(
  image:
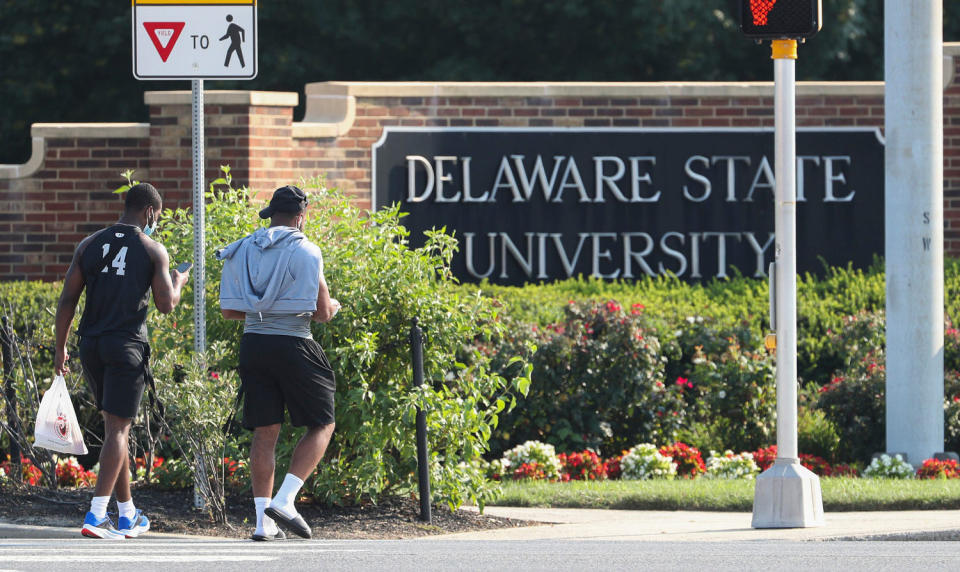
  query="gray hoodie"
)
[{"x": 275, "y": 270}]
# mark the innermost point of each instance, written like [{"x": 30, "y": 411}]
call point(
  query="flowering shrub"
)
[
  {"x": 612, "y": 466},
  {"x": 727, "y": 383},
  {"x": 530, "y": 471},
  {"x": 70, "y": 473},
  {"x": 730, "y": 466},
  {"x": 951, "y": 409},
  {"x": 237, "y": 474},
  {"x": 853, "y": 400},
  {"x": 688, "y": 459},
  {"x": 938, "y": 469},
  {"x": 141, "y": 468},
  {"x": 599, "y": 381},
  {"x": 887, "y": 467},
  {"x": 541, "y": 458},
  {"x": 174, "y": 474},
  {"x": 583, "y": 466},
  {"x": 844, "y": 470},
  {"x": 764, "y": 457},
  {"x": 493, "y": 470},
  {"x": 817, "y": 465},
  {"x": 644, "y": 461},
  {"x": 30, "y": 474}
]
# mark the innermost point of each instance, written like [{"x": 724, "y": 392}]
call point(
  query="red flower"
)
[
  {"x": 612, "y": 466},
  {"x": 585, "y": 465},
  {"x": 689, "y": 460},
  {"x": 765, "y": 457},
  {"x": 939, "y": 469}
]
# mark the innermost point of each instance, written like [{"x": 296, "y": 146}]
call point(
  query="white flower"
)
[
  {"x": 530, "y": 452},
  {"x": 730, "y": 466},
  {"x": 722, "y": 394},
  {"x": 606, "y": 429},
  {"x": 644, "y": 461},
  {"x": 886, "y": 467}
]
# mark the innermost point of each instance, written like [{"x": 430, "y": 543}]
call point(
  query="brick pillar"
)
[{"x": 248, "y": 130}]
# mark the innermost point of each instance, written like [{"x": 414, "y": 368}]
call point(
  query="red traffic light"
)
[{"x": 780, "y": 18}]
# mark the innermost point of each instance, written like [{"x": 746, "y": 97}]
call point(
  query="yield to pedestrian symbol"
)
[
  {"x": 177, "y": 39},
  {"x": 237, "y": 37},
  {"x": 164, "y": 36}
]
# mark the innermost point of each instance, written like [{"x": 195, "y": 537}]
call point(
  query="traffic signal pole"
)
[
  {"x": 787, "y": 495},
  {"x": 913, "y": 188},
  {"x": 785, "y": 227}
]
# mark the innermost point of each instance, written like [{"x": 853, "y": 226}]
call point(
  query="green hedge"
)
[{"x": 591, "y": 389}]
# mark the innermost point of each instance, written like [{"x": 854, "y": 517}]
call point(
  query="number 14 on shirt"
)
[{"x": 119, "y": 261}]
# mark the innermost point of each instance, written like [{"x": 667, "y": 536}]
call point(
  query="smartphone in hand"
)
[{"x": 184, "y": 266}]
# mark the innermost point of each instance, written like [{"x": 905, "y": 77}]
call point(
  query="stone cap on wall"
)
[
  {"x": 70, "y": 130},
  {"x": 225, "y": 97},
  {"x": 40, "y": 132},
  {"x": 582, "y": 89}
]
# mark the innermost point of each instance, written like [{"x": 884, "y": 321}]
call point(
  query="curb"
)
[{"x": 10, "y": 530}]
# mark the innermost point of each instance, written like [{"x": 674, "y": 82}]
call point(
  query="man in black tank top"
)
[{"x": 118, "y": 266}]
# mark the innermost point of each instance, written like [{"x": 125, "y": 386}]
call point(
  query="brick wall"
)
[{"x": 64, "y": 192}]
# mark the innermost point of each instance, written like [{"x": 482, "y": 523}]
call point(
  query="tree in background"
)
[{"x": 70, "y": 60}]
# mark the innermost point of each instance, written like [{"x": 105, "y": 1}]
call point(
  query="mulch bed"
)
[{"x": 171, "y": 511}]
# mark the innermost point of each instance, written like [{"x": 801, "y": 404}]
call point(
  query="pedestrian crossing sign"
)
[{"x": 194, "y": 39}]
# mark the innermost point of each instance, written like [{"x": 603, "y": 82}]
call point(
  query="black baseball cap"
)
[{"x": 289, "y": 200}]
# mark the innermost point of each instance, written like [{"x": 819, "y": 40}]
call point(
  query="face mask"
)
[{"x": 148, "y": 230}]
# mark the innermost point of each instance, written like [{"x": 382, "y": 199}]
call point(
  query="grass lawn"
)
[{"x": 839, "y": 494}]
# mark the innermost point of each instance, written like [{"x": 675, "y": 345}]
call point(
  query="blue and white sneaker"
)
[
  {"x": 100, "y": 528},
  {"x": 133, "y": 527}
]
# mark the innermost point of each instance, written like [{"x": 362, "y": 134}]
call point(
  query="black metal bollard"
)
[
  {"x": 423, "y": 469},
  {"x": 10, "y": 393}
]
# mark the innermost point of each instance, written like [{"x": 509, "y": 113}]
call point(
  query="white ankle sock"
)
[
  {"x": 98, "y": 506},
  {"x": 126, "y": 509},
  {"x": 265, "y": 525},
  {"x": 284, "y": 498}
]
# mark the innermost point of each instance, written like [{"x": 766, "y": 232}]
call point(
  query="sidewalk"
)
[{"x": 597, "y": 524}]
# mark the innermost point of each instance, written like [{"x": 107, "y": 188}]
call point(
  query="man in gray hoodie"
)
[{"x": 273, "y": 280}]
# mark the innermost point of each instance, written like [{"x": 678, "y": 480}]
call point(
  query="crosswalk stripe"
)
[{"x": 148, "y": 558}]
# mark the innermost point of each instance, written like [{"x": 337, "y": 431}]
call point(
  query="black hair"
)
[{"x": 140, "y": 196}]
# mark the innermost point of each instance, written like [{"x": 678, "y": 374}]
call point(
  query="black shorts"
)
[
  {"x": 278, "y": 371},
  {"x": 116, "y": 369}
]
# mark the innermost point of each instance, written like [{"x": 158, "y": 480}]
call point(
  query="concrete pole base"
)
[{"x": 787, "y": 495}]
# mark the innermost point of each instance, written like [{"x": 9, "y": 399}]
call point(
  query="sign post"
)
[
  {"x": 787, "y": 495},
  {"x": 199, "y": 220},
  {"x": 202, "y": 39}
]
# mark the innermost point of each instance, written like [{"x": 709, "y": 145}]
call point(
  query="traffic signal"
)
[{"x": 772, "y": 19}]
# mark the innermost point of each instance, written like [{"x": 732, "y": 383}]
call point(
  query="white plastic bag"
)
[{"x": 57, "y": 428}]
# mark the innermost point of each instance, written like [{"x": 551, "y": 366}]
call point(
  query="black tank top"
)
[{"x": 118, "y": 272}]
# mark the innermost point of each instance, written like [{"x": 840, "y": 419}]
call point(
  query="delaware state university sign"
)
[{"x": 529, "y": 204}]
